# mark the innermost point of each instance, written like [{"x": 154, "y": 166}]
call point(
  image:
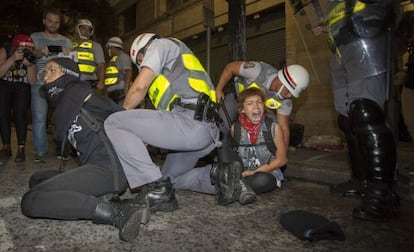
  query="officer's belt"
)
[
  {"x": 204, "y": 110},
  {"x": 186, "y": 103},
  {"x": 190, "y": 106}
]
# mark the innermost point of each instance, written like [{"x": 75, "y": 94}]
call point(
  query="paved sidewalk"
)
[
  {"x": 328, "y": 167},
  {"x": 332, "y": 167},
  {"x": 201, "y": 225}
]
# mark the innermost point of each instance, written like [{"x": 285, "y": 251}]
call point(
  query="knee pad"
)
[
  {"x": 375, "y": 139},
  {"x": 357, "y": 161},
  {"x": 365, "y": 111}
]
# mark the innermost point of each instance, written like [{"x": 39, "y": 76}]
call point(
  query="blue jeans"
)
[{"x": 39, "y": 121}]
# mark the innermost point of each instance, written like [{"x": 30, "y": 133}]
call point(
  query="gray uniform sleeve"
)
[
  {"x": 249, "y": 70},
  {"x": 98, "y": 52},
  {"x": 286, "y": 108},
  {"x": 125, "y": 62},
  {"x": 162, "y": 53}
]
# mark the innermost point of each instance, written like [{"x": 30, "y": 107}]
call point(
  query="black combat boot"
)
[
  {"x": 124, "y": 216},
  {"x": 380, "y": 202},
  {"x": 351, "y": 188},
  {"x": 226, "y": 179},
  {"x": 158, "y": 195},
  {"x": 247, "y": 195},
  {"x": 355, "y": 187}
]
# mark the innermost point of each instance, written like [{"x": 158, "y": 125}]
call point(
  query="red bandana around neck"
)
[{"x": 251, "y": 128}]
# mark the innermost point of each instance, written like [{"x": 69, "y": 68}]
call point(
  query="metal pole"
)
[
  {"x": 237, "y": 29},
  {"x": 208, "y": 13},
  {"x": 208, "y": 48}
]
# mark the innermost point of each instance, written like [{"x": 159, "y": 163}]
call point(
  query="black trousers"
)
[
  {"x": 261, "y": 182},
  {"x": 71, "y": 195},
  {"x": 14, "y": 100}
]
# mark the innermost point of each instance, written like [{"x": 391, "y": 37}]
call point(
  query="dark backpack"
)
[{"x": 268, "y": 137}]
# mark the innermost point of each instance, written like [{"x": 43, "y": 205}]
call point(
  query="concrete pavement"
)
[
  {"x": 332, "y": 167},
  {"x": 201, "y": 225}
]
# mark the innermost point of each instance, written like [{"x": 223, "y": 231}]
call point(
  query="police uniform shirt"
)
[
  {"x": 98, "y": 53},
  {"x": 99, "y": 59},
  {"x": 123, "y": 63},
  {"x": 250, "y": 73},
  {"x": 162, "y": 54}
]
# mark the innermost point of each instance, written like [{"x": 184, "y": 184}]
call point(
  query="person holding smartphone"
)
[
  {"x": 48, "y": 44},
  {"x": 17, "y": 73}
]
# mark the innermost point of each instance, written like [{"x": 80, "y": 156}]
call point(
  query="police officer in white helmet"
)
[
  {"x": 118, "y": 73},
  {"x": 279, "y": 87},
  {"x": 185, "y": 122},
  {"x": 89, "y": 54}
]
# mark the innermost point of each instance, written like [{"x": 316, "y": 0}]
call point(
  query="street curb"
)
[{"x": 319, "y": 175}]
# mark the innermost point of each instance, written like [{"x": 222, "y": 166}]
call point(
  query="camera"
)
[
  {"x": 54, "y": 49},
  {"x": 29, "y": 55}
]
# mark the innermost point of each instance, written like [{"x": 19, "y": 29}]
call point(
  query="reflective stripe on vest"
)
[
  {"x": 112, "y": 72},
  {"x": 161, "y": 87},
  {"x": 271, "y": 100},
  {"x": 336, "y": 14},
  {"x": 339, "y": 11},
  {"x": 86, "y": 58},
  {"x": 188, "y": 77}
]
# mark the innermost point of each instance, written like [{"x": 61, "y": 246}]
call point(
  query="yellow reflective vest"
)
[
  {"x": 86, "y": 58},
  {"x": 186, "y": 80},
  {"x": 271, "y": 100},
  {"x": 112, "y": 72}
]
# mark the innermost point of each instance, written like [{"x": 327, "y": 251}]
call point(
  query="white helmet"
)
[
  {"x": 140, "y": 43},
  {"x": 85, "y": 22},
  {"x": 115, "y": 42},
  {"x": 295, "y": 78}
]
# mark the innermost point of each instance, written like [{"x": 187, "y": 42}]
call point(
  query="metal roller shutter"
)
[
  {"x": 265, "y": 34},
  {"x": 266, "y": 39}
]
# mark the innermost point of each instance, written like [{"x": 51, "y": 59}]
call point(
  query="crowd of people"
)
[
  {"x": 191, "y": 117},
  {"x": 22, "y": 60}
]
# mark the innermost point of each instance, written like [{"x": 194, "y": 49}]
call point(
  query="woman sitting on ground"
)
[{"x": 261, "y": 162}]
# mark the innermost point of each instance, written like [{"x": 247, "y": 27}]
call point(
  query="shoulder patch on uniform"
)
[{"x": 248, "y": 64}]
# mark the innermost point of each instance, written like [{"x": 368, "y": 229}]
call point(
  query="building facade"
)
[{"x": 273, "y": 35}]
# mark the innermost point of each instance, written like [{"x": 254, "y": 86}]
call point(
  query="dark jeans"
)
[
  {"x": 71, "y": 195},
  {"x": 14, "y": 100},
  {"x": 261, "y": 182}
]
